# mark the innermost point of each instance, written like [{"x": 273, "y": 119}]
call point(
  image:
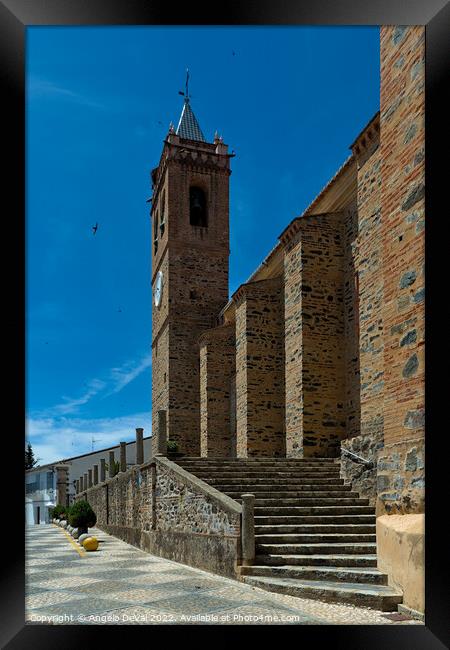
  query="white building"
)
[{"x": 41, "y": 482}]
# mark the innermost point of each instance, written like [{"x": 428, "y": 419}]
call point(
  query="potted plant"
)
[
  {"x": 82, "y": 516},
  {"x": 172, "y": 449}
]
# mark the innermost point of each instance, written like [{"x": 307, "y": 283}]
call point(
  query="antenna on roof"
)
[{"x": 94, "y": 440}]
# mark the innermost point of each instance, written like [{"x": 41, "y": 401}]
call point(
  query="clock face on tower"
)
[{"x": 157, "y": 292}]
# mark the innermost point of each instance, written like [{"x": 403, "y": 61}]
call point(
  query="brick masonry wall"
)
[
  {"x": 402, "y": 210},
  {"x": 351, "y": 324},
  {"x": 160, "y": 348},
  {"x": 364, "y": 273},
  {"x": 314, "y": 343},
  {"x": 370, "y": 280},
  {"x": 205, "y": 273},
  {"x": 217, "y": 367},
  {"x": 260, "y": 396}
]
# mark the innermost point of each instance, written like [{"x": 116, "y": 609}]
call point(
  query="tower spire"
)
[{"x": 188, "y": 126}]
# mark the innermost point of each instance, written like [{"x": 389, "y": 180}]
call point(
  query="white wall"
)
[
  {"x": 43, "y": 496},
  {"x": 80, "y": 466}
]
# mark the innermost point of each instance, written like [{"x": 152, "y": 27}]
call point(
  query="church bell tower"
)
[{"x": 190, "y": 250}]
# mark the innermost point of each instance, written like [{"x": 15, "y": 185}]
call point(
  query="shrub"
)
[
  {"x": 172, "y": 446},
  {"x": 58, "y": 512},
  {"x": 82, "y": 516}
]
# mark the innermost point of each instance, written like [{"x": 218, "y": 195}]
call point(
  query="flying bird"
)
[{"x": 94, "y": 228}]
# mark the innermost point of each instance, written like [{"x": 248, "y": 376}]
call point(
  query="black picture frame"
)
[{"x": 15, "y": 17}]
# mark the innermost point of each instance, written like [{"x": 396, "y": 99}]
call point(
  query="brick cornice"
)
[
  {"x": 251, "y": 288},
  {"x": 289, "y": 233},
  {"x": 183, "y": 154},
  {"x": 216, "y": 333},
  {"x": 368, "y": 137}
]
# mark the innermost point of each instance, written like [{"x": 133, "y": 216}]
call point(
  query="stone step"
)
[
  {"x": 317, "y": 559},
  {"x": 381, "y": 597},
  {"x": 279, "y": 467},
  {"x": 313, "y": 510},
  {"x": 288, "y": 495},
  {"x": 287, "y": 476},
  {"x": 286, "y": 487},
  {"x": 256, "y": 480},
  {"x": 335, "y": 574},
  {"x": 299, "y": 529},
  {"x": 305, "y": 501},
  {"x": 315, "y": 538},
  {"x": 260, "y": 460},
  {"x": 260, "y": 467},
  {"x": 324, "y": 519},
  {"x": 321, "y": 548}
]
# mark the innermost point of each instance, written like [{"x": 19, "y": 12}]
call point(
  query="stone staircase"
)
[{"x": 315, "y": 538}]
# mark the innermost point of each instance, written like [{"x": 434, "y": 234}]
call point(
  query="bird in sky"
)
[{"x": 94, "y": 228}]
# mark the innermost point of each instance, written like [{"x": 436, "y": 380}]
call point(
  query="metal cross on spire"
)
[
  {"x": 186, "y": 92},
  {"x": 187, "y": 85}
]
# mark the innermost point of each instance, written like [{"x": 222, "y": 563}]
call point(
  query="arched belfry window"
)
[{"x": 198, "y": 214}]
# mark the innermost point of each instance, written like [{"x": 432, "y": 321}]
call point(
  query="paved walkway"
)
[{"x": 120, "y": 584}]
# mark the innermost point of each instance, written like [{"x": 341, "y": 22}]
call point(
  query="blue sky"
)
[{"x": 289, "y": 101}]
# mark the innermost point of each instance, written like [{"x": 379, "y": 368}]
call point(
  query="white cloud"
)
[
  {"x": 54, "y": 439},
  {"x": 128, "y": 372},
  {"x": 44, "y": 88},
  {"x": 70, "y": 405},
  {"x": 117, "y": 379}
]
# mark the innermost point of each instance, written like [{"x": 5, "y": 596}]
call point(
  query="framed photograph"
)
[{"x": 219, "y": 220}]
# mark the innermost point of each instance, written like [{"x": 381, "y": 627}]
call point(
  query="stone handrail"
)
[{"x": 225, "y": 502}]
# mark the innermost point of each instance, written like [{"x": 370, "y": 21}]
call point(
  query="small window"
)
[{"x": 197, "y": 207}]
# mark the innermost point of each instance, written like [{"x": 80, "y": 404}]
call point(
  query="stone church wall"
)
[
  {"x": 196, "y": 298},
  {"x": 314, "y": 345},
  {"x": 260, "y": 386},
  {"x": 364, "y": 322},
  {"x": 402, "y": 216},
  {"x": 217, "y": 367},
  {"x": 351, "y": 323}
]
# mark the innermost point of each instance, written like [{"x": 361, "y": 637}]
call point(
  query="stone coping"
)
[{"x": 225, "y": 502}]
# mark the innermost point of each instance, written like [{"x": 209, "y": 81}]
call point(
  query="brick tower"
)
[{"x": 190, "y": 250}]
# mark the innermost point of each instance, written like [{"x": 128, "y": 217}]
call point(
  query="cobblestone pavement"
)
[{"x": 120, "y": 584}]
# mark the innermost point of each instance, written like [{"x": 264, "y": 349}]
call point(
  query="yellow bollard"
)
[{"x": 90, "y": 544}]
